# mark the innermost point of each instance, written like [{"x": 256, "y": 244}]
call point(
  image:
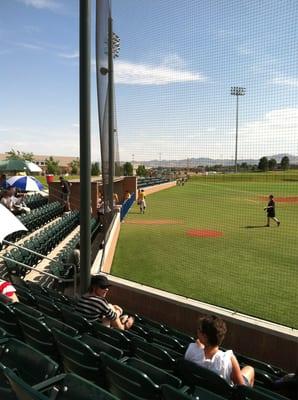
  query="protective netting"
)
[{"x": 208, "y": 239}]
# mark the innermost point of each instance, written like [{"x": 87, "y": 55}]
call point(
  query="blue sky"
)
[{"x": 177, "y": 62}]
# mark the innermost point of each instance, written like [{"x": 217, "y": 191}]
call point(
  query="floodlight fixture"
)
[{"x": 237, "y": 91}]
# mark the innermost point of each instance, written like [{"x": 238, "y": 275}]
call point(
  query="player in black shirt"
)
[{"x": 271, "y": 211}]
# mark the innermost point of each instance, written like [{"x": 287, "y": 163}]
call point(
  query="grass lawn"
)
[{"x": 250, "y": 268}]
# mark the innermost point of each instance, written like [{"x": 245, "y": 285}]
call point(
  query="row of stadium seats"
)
[
  {"x": 145, "y": 182},
  {"x": 41, "y": 215},
  {"x": 43, "y": 242},
  {"x": 62, "y": 257},
  {"x": 36, "y": 200},
  {"x": 37, "y": 218},
  {"x": 123, "y": 361}
]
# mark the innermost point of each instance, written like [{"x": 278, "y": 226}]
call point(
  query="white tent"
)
[
  {"x": 9, "y": 223},
  {"x": 32, "y": 167}
]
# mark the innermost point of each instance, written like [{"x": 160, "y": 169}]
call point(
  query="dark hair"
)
[
  {"x": 271, "y": 196},
  {"x": 214, "y": 328}
]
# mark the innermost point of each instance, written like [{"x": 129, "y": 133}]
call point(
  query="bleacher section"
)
[
  {"x": 42, "y": 242},
  {"x": 35, "y": 201},
  {"x": 144, "y": 363},
  {"x": 145, "y": 182}
]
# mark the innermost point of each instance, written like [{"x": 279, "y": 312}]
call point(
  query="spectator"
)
[
  {"x": 126, "y": 195},
  {"x": 94, "y": 306},
  {"x": 5, "y": 200},
  {"x": 3, "y": 183},
  {"x": 205, "y": 352},
  {"x": 115, "y": 199},
  {"x": 65, "y": 193},
  {"x": 14, "y": 204},
  {"x": 8, "y": 290}
]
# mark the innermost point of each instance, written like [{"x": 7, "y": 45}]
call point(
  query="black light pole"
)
[
  {"x": 85, "y": 156},
  {"x": 237, "y": 91}
]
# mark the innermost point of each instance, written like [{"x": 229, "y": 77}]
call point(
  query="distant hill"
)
[{"x": 201, "y": 161}]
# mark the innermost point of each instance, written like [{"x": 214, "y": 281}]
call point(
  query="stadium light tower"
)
[{"x": 237, "y": 91}]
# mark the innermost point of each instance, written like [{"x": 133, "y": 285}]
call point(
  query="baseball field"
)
[{"x": 207, "y": 240}]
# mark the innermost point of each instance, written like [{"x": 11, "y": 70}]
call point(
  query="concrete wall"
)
[
  {"x": 103, "y": 261},
  {"x": 247, "y": 335}
]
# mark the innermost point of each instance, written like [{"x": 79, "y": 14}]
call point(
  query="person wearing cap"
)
[{"x": 94, "y": 305}]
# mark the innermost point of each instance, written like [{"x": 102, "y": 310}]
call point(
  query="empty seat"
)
[
  {"x": 31, "y": 365},
  {"x": 63, "y": 387},
  {"x": 112, "y": 336},
  {"x": 247, "y": 393},
  {"x": 75, "y": 319},
  {"x": 128, "y": 383},
  {"x": 8, "y": 320},
  {"x": 168, "y": 341},
  {"x": 157, "y": 375},
  {"x": 153, "y": 354},
  {"x": 37, "y": 333},
  {"x": 171, "y": 393},
  {"x": 79, "y": 358}
]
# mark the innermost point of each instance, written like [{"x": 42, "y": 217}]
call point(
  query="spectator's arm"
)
[{"x": 237, "y": 377}]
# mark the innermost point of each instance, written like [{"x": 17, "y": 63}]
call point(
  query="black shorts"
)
[{"x": 271, "y": 213}]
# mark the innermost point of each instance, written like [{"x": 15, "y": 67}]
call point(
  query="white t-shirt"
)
[{"x": 220, "y": 363}]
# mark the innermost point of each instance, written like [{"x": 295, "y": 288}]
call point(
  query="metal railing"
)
[{"x": 59, "y": 279}]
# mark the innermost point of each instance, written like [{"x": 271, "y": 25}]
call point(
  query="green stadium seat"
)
[
  {"x": 168, "y": 341},
  {"x": 75, "y": 319},
  {"x": 47, "y": 306},
  {"x": 247, "y": 393},
  {"x": 25, "y": 296},
  {"x": 79, "y": 358},
  {"x": 193, "y": 375},
  {"x": 8, "y": 321},
  {"x": 112, "y": 336},
  {"x": 37, "y": 334},
  {"x": 153, "y": 354},
  {"x": 273, "y": 370},
  {"x": 62, "y": 387},
  {"x": 128, "y": 383},
  {"x": 27, "y": 309},
  {"x": 171, "y": 393},
  {"x": 157, "y": 375},
  {"x": 99, "y": 346},
  {"x": 54, "y": 323},
  {"x": 31, "y": 365}
]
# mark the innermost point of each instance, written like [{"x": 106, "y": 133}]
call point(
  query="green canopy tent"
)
[{"x": 17, "y": 165}]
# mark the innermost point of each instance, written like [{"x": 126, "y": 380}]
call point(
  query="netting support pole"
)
[
  {"x": 111, "y": 115},
  {"x": 85, "y": 152}
]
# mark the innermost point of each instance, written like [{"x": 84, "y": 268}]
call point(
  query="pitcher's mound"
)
[{"x": 203, "y": 233}]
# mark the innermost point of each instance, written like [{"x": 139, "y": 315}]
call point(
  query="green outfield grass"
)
[{"x": 251, "y": 268}]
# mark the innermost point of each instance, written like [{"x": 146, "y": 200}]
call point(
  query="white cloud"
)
[
  {"x": 287, "y": 81},
  {"x": 130, "y": 73},
  {"x": 73, "y": 55},
  {"x": 276, "y": 132},
  {"x": 29, "y": 46},
  {"x": 41, "y": 4}
]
